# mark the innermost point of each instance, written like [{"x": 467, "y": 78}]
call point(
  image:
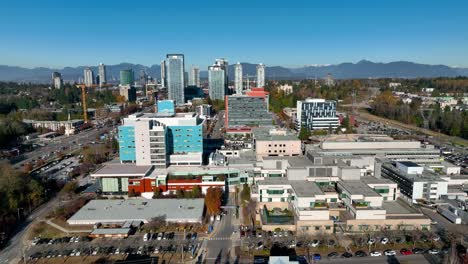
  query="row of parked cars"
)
[{"x": 52, "y": 241}]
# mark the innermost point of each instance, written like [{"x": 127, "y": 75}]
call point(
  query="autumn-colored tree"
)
[
  {"x": 27, "y": 167},
  {"x": 213, "y": 199}
]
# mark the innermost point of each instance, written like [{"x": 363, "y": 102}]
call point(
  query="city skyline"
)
[{"x": 318, "y": 33}]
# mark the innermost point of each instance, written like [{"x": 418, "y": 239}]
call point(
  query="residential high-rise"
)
[
  {"x": 223, "y": 63},
  {"x": 316, "y": 114},
  {"x": 329, "y": 80},
  {"x": 175, "y": 71},
  {"x": 194, "y": 77},
  {"x": 102, "y": 74},
  {"x": 88, "y": 77},
  {"x": 127, "y": 77},
  {"x": 163, "y": 74},
  {"x": 143, "y": 77},
  {"x": 261, "y": 75},
  {"x": 57, "y": 80},
  {"x": 216, "y": 82},
  {"x": 238, "y": 78}
]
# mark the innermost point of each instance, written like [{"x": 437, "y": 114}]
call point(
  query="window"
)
[
  {"x": 317, "y": 228},
  {"x": 275, "y": 191},
  {"x": 327, "y": 227}
]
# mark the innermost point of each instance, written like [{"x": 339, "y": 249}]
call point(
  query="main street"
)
[
  {"x": 62, "y": 144},
  {"x": 220, "y": 246}
]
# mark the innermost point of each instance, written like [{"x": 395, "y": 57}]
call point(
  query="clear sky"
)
[{"x": 288, "y": 33}]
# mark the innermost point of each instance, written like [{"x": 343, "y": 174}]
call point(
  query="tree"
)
[
  {"x": 156, "y": 193},
  {"x": 196, "y": 192},
  {"x": 156, "y": 222},
  {"x": 304, "y": 133},
  {"x": 213, "y": 199},
  {"x": 179, "y": 194},
  {"x": 245, "y": 195}
]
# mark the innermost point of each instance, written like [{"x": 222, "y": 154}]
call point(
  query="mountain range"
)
[{"x": 361, "y": 69}]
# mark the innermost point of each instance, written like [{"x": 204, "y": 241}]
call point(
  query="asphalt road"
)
[
  {"x": 59, "y": 143},
  {"x": 413, "y": 259},
  {"x": 220, "y": 246},
  {"x": 217, "y": 133},
  {"x": 18, "y": 244}
]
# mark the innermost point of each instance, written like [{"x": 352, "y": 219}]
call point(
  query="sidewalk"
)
[{"x": 61, "y": 228}]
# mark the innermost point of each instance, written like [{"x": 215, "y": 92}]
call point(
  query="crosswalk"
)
[{"x": 222, "y": 238}]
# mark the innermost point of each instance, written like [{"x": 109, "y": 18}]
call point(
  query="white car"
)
[
  {"x": 433, "y": 251},
  {"x": 274, "y": 234},
  {"x": 35, "y": 241},
  {"x": 145, "y": 237},
  {"x": 389, "y": 252},
  {"x": 315, "y": 243},
  {"x": 160, "y": 236},
  {"x": 371, "y": 241},
  {"x": 375, "y": 254},
  {"x": 384, "y": 240},
  {"x": 436, "y": 238},
  {"x": 95, "y": 251},
  {"x": 78, "y": 253}
]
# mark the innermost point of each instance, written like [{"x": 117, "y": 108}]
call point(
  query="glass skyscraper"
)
[
  {"x": 175, "y": 71},
  {"x": 126, "y": 77}
]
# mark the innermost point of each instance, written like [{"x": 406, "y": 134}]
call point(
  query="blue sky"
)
[{"x": 287, "y": 33}]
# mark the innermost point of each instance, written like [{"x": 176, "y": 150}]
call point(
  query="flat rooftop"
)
[
  {"x": 119, "y": 169},
  {"x": 358, "y": 188},
  {"x": 174, "y": 210},
  {"x": 374, "y": 180},
  {"x": 273, "y": 134},
  {"x": 306, "y": 188},
  {"x": 397, "y": 207},
  {"x": 274, "y": 181}
]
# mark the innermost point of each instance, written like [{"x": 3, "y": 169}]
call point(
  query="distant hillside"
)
[{"x": 362, "y": 69}]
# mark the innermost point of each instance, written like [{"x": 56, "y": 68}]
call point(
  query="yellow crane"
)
[{"x": 83, "y": 97}]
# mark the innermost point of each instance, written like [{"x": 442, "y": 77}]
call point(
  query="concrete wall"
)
[
  {"x": 371, "y": 145},
  {"x": 280, "y": 148},
  {"x": 349, "y": 173}
]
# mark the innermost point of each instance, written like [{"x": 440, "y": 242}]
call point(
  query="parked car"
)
[
  {"x": 145, "y": 237},
  {"x": 317, "y": 256},
  {"x": 315, "y": 243},
  {"x": 375, "y": 254},
  {"x": 405, "y": 251},
  {"x": 371, "y": 241},
  {"x": 360, "y": 253},
  {"x": 433, "y": 251},
  {"x": 384, "y": 240},
  {"x": 346, "y": 255},
  {"x": 389, "y": 252},
  {"x": 333, "y": 255},
  {"x": 418, "y": 251}
]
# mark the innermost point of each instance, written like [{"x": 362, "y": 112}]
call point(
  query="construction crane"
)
[{"x": 83, "y": 97}]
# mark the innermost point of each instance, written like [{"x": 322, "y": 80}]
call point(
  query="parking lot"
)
[
  {"x": 157, "y": 244},
  {"x": 340, "y": 246},
  {"x": 59, "y": 170}
]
